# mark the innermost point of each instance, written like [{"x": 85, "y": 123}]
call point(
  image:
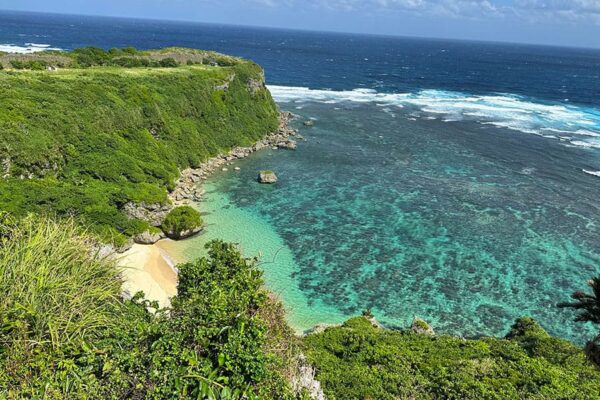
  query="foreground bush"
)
[
  {"x": 588, "y": 307},
  {"x": 67, "y": 334},
  {"x": 360, "y": 361}
]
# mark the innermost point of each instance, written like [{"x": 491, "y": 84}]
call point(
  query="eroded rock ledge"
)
[{"x": 186, "y": 188}]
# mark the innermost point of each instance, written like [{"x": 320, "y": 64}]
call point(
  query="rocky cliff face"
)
[{"x": 187, "y": 187}]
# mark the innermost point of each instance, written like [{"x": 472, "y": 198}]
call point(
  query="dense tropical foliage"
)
[
  {"x": 86, "y": 141},
  {"x": 66, "y": 332},
  {"x": 588, "y": 305},
  {"x": 361, "y": 361}
]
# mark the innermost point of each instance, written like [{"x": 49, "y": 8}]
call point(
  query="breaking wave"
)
[
  {"x": 571, "y": 124},
  {"x": 27, "y": 48}
]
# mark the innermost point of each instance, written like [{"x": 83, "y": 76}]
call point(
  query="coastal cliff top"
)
[
  {"x": 128, "y": 57},
  {"x": 95, "y": 133}
]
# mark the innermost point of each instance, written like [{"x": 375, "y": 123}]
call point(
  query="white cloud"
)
[
  {"x": 559, "y": 10},
  {"x": 529, "y": 10}
]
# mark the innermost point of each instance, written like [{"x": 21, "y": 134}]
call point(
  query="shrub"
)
[
  {"x": 66, "y": 333},
  {"x": 181, "y": 219},
  {"x": 360, "y": 361},
  {"x": 422, "y": 324},
  {"x": 16, "y": 64},
  {"x": 91, "y": 56},
  {"x": 168, "y": 63},
  {"x": 37, "y": 65}
]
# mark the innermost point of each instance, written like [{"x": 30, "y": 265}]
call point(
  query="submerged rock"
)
[
  {"x": 267, "y": 177},
  {"x": 421, "y": 327},
  {"x": 287, "y": 144},
  {"x": 309, "y": 122}
]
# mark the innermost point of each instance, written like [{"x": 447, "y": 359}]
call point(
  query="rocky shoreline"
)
[{"x": 186, "y": 189}]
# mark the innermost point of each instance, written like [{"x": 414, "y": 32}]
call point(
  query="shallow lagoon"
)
[{"x": 464, "y": 224}]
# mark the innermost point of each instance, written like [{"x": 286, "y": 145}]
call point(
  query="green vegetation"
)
[
  {"x": 180, "y": 220},
  {"x": 589, "y": 311},
  {"x": 85, "y": 142},
  {"x": 43, "y": 268},
  {"x": 360, "y": 361},
  {"x": 422, "y": 324},
  {"x": 128, "y": 57},
  {"x": 67, "y": 333}
]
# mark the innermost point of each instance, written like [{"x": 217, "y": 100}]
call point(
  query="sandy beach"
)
[{"x": 147, "y": 270}]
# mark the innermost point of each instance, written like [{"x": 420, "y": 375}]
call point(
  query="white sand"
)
[{"x": 147, "y": 270}]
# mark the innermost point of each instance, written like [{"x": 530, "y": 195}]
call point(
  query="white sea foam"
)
[
  {"x": 28, "y": 48},
  {"x": 595, "y": 173},
  {"x": 579, "y": 125}
]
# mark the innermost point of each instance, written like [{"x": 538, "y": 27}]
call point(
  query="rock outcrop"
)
[
  {"x": 305, "y": 380},
  {"x": 268, "y": 177},
  {"x": 154, "y": 214},
  {"x": 178, "y": 235},
  {"x": 421, "y": 327},
  {"x": 319, "y": 328},
  {"x": 149, "y": 237}
]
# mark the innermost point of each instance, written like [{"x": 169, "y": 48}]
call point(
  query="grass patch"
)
[{"x": 66, "y": 333}]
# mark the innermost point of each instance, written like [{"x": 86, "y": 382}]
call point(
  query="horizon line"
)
[{"x": 383, "y": 35}]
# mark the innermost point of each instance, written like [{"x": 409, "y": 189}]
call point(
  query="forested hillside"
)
[{"x": 86, "y": 133}]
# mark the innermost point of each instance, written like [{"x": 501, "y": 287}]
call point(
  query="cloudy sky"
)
[{"x": 558, "y": 22}]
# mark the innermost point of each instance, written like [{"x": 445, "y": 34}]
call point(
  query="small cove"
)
[{"x": 466, "y": 225}]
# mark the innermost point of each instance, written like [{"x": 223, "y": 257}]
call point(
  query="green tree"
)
[{"x": 588, "y": 306}]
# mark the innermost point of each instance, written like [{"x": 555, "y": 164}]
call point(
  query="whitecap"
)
[
  {"x": 595, "y": 173},
  {"x": 28, "y": 48},
  {"x": 579, "y": 125},
  {"x": 42, "y": 46},
  {"x": 528, "y": 170}
]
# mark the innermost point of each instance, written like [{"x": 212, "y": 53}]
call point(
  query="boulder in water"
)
[{"x": 267, "y": 177}]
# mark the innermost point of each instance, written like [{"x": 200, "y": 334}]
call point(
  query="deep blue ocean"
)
[{"x": 457, "y": 181}]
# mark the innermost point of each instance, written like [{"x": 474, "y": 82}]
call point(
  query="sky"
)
[{"x": 554, "y": 22}]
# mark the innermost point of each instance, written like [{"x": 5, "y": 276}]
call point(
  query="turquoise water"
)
[
  {"x": 255, "y": 237},
  {"x": 464, "y": 224}
]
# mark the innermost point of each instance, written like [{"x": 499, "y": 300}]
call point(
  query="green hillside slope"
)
[{"x": 86, "y": 141}]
